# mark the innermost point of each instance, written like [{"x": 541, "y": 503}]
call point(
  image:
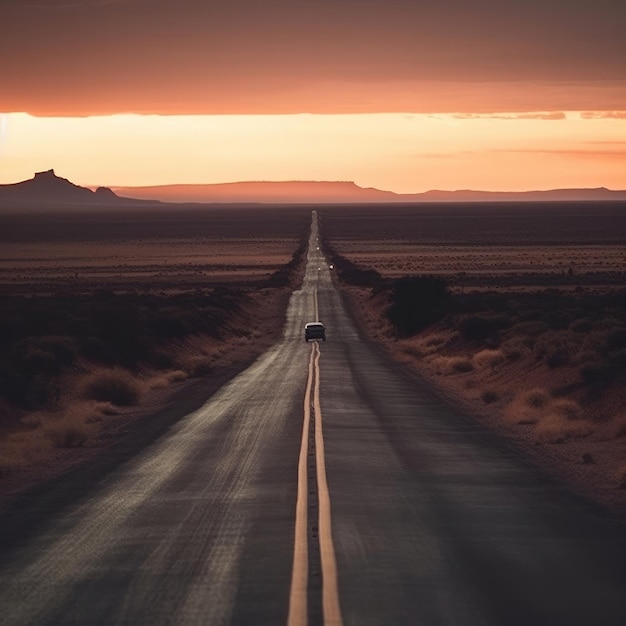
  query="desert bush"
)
[
  {"x": 482, "y": 327},
  {"x": 43, "y": 354},
  {"x": 581, "y": 326},
  {"x": 557, "y": 320},
  {"x": 514, "y": 349},
  {"x": 613, "y": 427},
  {"x": 417, "y": 302},
  {"x": 159, "y": 359},
  {"x": 555, "y": 348},
  {"x": 460, "y": 365},
  {"x": 196, "y": 366},
  {"x": 94, "y": 349},
  {"x": 36, "y": 361},
  {"x": 536, "y": 398},
  {"x": 558, "y": 358},
  {"x": 116, "y": 386},
  {"x": 597, "y": 373},
  {"x": 488, "y": 358},
  {"x": 489, "y": 396},
  {"x": 583, "y": 356},
  {"x": 350, "y": 273},
  {"x": 532, "y": 328},
  {"x": 68, "y": 433},
  {"x": 528, "y": 407},
  {"x": 414, "y": 350},
  {"x": 452, "y": 364},
  {"x": 569, "y": 409},
  {"x": 165, "y": 379},
  {"x": 556, "y": 428},
  {"x": 616, "y": 339}
]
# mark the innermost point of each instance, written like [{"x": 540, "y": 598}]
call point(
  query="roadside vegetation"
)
[
  {"x": 69, "y": 363},
  {"x": 548, "y": 366}
]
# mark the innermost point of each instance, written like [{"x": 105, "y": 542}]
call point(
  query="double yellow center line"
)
[{"x": 298, "y": 599}]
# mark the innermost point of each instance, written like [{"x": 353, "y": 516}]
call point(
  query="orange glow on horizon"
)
[{"x": 394, "y": 151}]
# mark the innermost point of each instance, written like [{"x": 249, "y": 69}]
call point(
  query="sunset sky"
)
[{"x": 400, "y": 95}]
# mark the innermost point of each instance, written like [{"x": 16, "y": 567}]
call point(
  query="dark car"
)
[{"x": 314, "y": 330}]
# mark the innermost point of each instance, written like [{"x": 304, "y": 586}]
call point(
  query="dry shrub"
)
[
  {"x": 197, "y": 366},
  {"x": 563, "y": 420},
  {"x": 460, "y": 365},
  {"x": 452, "y": 364},
  {"x": 74, "y": 427},
  {"x": 615, "y": 428},
  {"x": 514, "y": 349},
  {"x": 488, "y": 358},
  {"x": 10, "y": 460},
  {"x": 532, "y": 328},
  {"x": 68, "y": 432},
  {"x": 106, "y": 408},
  {"x": 489, "y": 396},
  {"x": 21, "y": 448},
  {"x": 435, "y": 341},
  {"x": 411, "y": 349},
  {"x": 557, "y": 427},
  {"x": 584, "y": 356},
  {"x": 164, "y": 380},
  {"x": 569, "y": 409},
  {"x": 113, "y": 385},
  {"x": 536, "y": 398},
  {"x": 528, "y": 407}
]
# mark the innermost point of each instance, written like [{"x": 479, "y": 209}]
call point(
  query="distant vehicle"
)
[{"x": 314, "y": 330}]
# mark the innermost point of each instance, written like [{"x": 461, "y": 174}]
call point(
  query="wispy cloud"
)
[
  {"x": 580, "y": 153},
  {"x": 550, "y": 115},
  {"x": 618, "y": 152},
  {"x": 603, "y": 115}
]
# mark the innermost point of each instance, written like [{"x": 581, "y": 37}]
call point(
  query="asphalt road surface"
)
[{"x": 320, "y": 486}]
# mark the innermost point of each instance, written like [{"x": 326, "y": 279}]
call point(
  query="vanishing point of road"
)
[{"x": 320, "y": 486}]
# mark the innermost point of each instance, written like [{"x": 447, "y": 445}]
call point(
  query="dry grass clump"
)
[
  {"x": 568, "y": 409},
  {"x": 164, "y": 380},
  {"x": 555, "y": 420},
  {"x": 21, "y": 448},
  {"x": 70, "y": 431},
  {"x": 488, "y": 358},
  {"x": 116, "y": 386},
  {"x": 615, "y": 428},
  {"x": 411, "y": 348},
  {"x": 197, "y": 366},
  {"x": 562, "y": 419},
  {"x": 536, "y": 398},
  {"x": 452, "y": 365},
  {"x": 528, "y": 407},
  {"x": 556, "y": 428},
  {"x": 489, "y": 396},
  {"x": 514, "y": 349}
]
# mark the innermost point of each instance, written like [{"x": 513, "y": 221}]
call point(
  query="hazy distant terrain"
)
[
  {"x": 48, "y": 189},
  {"x": 313, "y": 192}
]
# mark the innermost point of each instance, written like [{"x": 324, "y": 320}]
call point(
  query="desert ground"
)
[
  {"x": 514, "y": 312},
  {"x": 113, "y": 322}
]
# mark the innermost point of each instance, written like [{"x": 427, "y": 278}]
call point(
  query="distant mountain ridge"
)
[
  {"x": 312, "y": 192},
  {"x": 46, "y": 188}
]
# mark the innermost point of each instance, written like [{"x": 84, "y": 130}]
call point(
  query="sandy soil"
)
[{"x": 586, "y": 450}]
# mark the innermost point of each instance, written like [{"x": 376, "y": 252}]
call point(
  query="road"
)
[{"x": 320, "y": 486}]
